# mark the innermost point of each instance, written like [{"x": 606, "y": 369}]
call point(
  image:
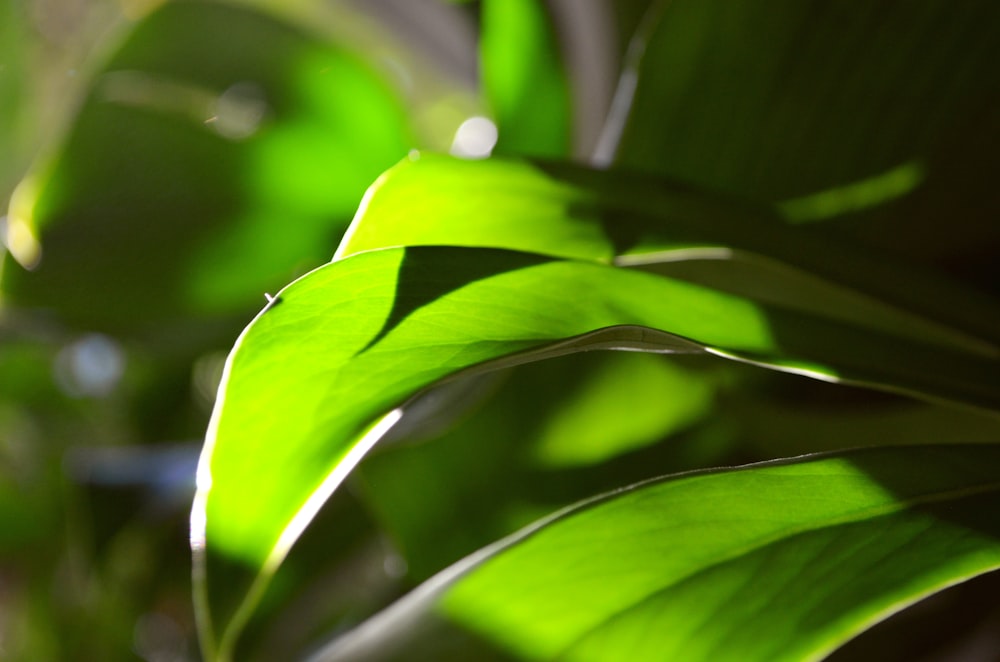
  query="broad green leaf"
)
[
  {"x": 776, "y": 561},
  {"x": 574, "y": 212},
  {"x": 317, "y": 377},
  {"x": 523, "y": 80},
  {"x": 202, "y": 172}
]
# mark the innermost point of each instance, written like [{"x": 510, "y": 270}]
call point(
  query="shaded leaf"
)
[
  {"x": 812, "y": 96},
  {"x": 808, "y": 95}
]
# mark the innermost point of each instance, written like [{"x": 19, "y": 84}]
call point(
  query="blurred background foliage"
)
[{"x": 169, "y": 163}]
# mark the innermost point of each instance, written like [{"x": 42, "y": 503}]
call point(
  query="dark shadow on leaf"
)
[
  {"x": 975, "y": 508},
  {"x": 969, "y": 379},
  {"x": 414, "y": 289}
]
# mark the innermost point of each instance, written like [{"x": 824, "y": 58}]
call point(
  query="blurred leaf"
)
[
  {"x": 697, "y": 566},
  {"x": 523, "y": 78},
  {"x": 574, "y": 212},
  {"x": 870, "y": 192},
  {"x": 311, "y": 383},
  {"x": 589, "y": 427},
  {"x": 13, "y": 90},
  {"x": 203, "y": 170}
]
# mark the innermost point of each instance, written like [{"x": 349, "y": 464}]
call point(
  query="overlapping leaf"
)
[
  {"x": 574, "y": 212},
  {"x": 340, "y": 348},
  {"x": 523, "y": 443}
]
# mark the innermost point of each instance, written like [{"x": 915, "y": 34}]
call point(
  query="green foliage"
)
[
  {"x": 415, "y": 451},
  {"x": 695, "y": 566}
]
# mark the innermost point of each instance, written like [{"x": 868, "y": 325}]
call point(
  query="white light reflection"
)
[
  {"x": 239, "y": 111},
  {"x": 16, "y": 236},
  {"x": 316, "y": 500},
  {"x": 475, "y": 138}
]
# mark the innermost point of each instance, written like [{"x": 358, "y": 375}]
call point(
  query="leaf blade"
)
[{"x": 721, "y": 550}]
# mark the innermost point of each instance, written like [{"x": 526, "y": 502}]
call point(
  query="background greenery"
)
[{"x": 170, "y": 163}]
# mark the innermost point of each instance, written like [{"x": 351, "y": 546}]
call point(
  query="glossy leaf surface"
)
[{"x": 698, "y": 566}]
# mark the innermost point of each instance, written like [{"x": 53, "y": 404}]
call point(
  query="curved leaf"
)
[
  {"x": 574, "y": 212},
  {"x": 308, "y": 386},
  {"x": 776, "y": 561}
]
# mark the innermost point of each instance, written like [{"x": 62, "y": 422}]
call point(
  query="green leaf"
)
[
  {"x": 586, "y": 428},
  {"x": 716, "y": 565},
  {"x": 523, "y": 79},
  {"x": 202, "y": 172},
  {"x": 310, "y": 384},
  {"x": 574, "y": 212}
]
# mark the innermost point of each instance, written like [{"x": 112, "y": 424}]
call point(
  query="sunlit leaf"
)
[
  {"x": 311, "y": 383},
  {"x": 721, "y": 565},
  {"x": 855, "y": 196}
]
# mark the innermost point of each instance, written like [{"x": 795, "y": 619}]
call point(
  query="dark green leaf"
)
[{"x": 810, "y": 96}]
